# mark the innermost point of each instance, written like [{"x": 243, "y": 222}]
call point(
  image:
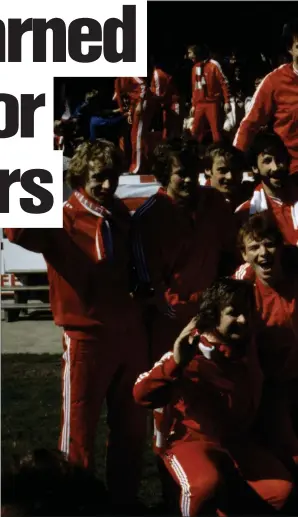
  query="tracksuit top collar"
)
[
  {"x": 259, "y": 203},
  {"x": 90, "y": 204}
]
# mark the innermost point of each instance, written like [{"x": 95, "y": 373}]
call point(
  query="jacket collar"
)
[
  {"x": 259, "y": 203},
  {"x": 90, "y": 204}
]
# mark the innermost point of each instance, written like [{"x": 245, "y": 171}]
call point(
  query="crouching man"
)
[
  {"x": 104, "y": 342},
  {"x": 207, "y": 393}
]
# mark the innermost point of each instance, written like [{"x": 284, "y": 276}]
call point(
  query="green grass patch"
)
[{"x": 31, "y": 402}]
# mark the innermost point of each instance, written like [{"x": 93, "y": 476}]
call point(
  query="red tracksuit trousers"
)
[
  {"x": 172, "y": 121},
  {"x": 209, "y": 111},
  {"x": 198, "y": 471},
  {"x": 94, "y": 370},
  {"x": 139, "y": 138}
]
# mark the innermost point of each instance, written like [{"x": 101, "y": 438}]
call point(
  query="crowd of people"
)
[
  {"x": 207, "y": 98},
  {"x": 189, "y": 307}
]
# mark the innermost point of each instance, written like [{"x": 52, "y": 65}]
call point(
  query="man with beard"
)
[
  {"x": 209, "y": 390},
  {"x": 183, "y": 238},
  {"x": 104, "y": 341},
  {"x": 276, "y": 101},
  {"x": 276, "y": 192},
  {"x": 276, "y": 294}
]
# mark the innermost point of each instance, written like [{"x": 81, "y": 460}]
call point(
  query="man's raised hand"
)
[{"x": 185, "y": 345}]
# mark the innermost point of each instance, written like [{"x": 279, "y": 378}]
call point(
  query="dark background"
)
[
  {"x": 248, "y": 27},
  {"x": 223, "y": 25}
]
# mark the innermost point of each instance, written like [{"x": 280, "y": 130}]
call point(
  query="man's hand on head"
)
[{"x": 185, "y": 345}]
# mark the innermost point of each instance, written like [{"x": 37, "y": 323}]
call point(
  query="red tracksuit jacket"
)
[
  {"x": 275, "y": 99},
  {"x": 179, "y": 254},
  {"x": 135, "y": 88},
  {"x": 207, "y": 400},
  {"x": 162, "y": 86},
  {"x": 284, "y": 212},
  {"x": 209, "y": 83},
  {"x": 88, "y": 264},
  {"x": 278, "y": 328},
  {"x": 232, "y": 203}
]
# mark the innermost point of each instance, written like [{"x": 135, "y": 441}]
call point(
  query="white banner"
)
[{"x": 40, "y": 41}]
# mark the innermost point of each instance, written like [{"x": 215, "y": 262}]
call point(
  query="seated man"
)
[
  {"x": 276, "y": 192},
  {"x": 208, "y": 390}
]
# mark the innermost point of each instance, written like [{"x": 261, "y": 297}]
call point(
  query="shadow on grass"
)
[{"x": 31, "y": 399}]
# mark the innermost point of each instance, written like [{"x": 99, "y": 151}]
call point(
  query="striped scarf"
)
[
  {"x": 103, "y": 236},
  {"x": 259, "y": 203},
  {"x": 200, "y": 79}
]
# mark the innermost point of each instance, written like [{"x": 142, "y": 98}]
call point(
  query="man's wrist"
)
[{"x": 172, "y": 369}]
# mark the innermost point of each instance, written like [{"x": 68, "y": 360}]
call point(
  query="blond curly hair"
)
[{"x": 102, "y": 150}]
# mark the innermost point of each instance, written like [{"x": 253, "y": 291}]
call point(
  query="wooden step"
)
[
  {"x": 6, "y": 306},
  {"x": 25, "y": 288}
]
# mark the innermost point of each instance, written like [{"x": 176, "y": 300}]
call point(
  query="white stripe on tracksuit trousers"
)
[
  {"x": 185, "y": 497},
  {"x": 65, "y": 437},
  {"x": 140, "y": 129}
]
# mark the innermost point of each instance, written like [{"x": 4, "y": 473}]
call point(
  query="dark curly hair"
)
[
  {"x": 201, "y": 51},
  {"x": 267, "y": 142},
  {"x": 222, "y": 293},
  {"x": 184, "y": 150},
  {"x": 290, "y": 32}
]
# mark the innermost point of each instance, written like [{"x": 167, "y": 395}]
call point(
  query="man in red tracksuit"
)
[
  {"x": 104, "y": 342},
  {"x": 209, "y": 87},
  {"x": 276, "y": 193},
  {"x": 276, "y": 292},
  {"x": 224, "y": 166},
  {"x": 275, "y": 280},
  {"x": 276, "y": 99},
  {"x": 183, "y": 238},
  {"x": 164, "y": 89},
  {"x": 141, "y": 107},
  {"x": 209, "y": 388}
]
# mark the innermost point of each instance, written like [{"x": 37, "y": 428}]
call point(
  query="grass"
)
[{"x": 31, "y": 401}]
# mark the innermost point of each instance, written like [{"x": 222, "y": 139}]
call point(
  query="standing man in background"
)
[
  {"x": 209, "y": 86},
  {"x": 140, "y": 106},
  {"x": 276, "y": 99},
  {"x": 165, "y": 91}
]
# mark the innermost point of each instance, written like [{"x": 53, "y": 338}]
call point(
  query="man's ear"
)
[
  {"x": 243, "y": 254},
  {"x": 208, "y": 173}
]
